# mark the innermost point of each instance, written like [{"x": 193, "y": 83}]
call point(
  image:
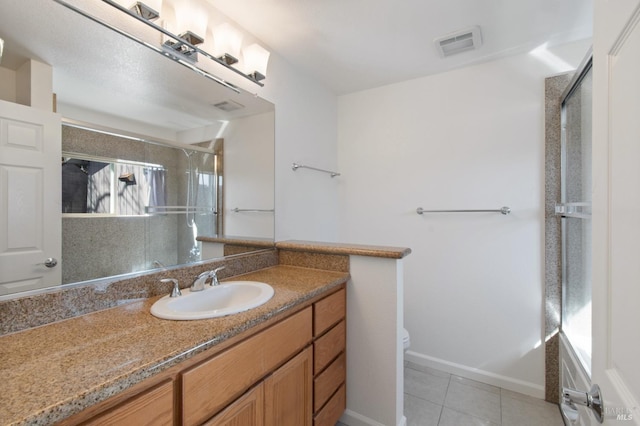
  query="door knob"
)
[
  {"x": 51, "y": 262},
  {"x": 591, "y": 399}
]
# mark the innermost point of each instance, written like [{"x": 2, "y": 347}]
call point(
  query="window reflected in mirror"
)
[{"x": 110, "y": 186}]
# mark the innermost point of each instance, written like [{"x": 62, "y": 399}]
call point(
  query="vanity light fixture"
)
[
  {"x": 145, "y": 11},
  {"x": 226, "y": 43},
  {"x": 256, "y": 59},
  {"x": 191, "y": 21},
  {"x": 184, "y": 45},
  {"x": 183, "y": 48},
  {"x": 228, "y": 59},
  {"x": 1, "y": 48}
]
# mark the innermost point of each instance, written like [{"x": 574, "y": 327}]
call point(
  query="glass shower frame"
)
[{"x": 575, "y": 211}]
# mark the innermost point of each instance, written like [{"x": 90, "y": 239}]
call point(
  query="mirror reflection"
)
[
  {"x": 153, "y": 154},
  {"x": 161, "y": 195}
]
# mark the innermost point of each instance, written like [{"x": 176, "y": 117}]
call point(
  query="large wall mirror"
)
[{"x": 154, "y": 155}]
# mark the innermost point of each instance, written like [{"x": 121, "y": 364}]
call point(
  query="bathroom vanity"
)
[
  {"x": 283, "y": 363},
  {"x": 291, "y": 372}
]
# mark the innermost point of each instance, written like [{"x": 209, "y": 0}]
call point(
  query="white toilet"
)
[{"x": 406, "y": 340}]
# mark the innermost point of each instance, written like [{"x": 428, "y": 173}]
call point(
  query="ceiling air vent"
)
[
  {"x": 458, "y": 42},
  {"x": 228, "y": 106}
]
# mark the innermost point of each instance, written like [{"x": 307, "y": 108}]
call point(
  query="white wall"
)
[
  {"x": 306, "y": 132},
  {"x": 248, "y": 174},
  {"x": 7, "y": 85},
  {"x": 466, "y": 139}
]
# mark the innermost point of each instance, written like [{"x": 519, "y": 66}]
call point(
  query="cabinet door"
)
[
  {"x": 288, "y": 393},
  {"x": 248, "y": 410},
  {"x": 153, "y": 407},
  {"x": 210, "y": 386}
]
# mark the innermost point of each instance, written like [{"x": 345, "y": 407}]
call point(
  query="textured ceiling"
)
[
  {"x": 351, "y": 45},
  {"x": 348, "y": 45}
]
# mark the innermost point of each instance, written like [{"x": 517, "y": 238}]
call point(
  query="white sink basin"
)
[{"x": 227, "y": 298}]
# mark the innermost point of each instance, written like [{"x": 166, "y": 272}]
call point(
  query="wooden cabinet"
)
[
  {"x": 152, "y": 407},
  {"x": 308, "y": 390},
  {"x": 328, "y": 311},
  {"x": 329, "y": 346},
  {"x": 332, "y": 411},
  {"x": 246, "y": 410},
  {"x": 329, "y": 359},
  {"x": 326, "y": 383},
  {"x": 211, "y": 385},
  {"x": 288, "y": 393},
  {"x": 291, "y": 373},
  {"x": 282, "y": 399}
]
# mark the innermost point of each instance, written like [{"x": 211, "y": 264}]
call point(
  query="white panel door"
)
[
  {"x": 30, "y": 179},
  {"x": 616, "y": 209}
]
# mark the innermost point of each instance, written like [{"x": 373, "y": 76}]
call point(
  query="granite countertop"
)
[
  {"x": 54, "y": 371},
  {"x": 230, "y": 239},
  {"x": 345, "y": 249},
  {"x": 314, "y": 246}
]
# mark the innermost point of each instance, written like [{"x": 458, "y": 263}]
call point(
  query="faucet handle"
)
[
  {"x": 214, "y": 275},
  {"x": 175, "y": 291}
]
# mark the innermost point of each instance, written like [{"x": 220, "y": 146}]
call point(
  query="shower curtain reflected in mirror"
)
[
  {"x": 195, "y": 212},
  {"x": 156, "y": 177}
]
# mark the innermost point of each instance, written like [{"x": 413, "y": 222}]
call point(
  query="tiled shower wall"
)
[
  {"x": 94, "y": 247},
  {"x": 554, "y": 87}
]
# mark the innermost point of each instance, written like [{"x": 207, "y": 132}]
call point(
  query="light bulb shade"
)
[
  {"x": 256, "y": 59},
  {"x": 227, "y": 40},
  {"x": 191, "y": 17}
]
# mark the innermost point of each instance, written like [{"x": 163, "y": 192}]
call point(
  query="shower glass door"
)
[{"x": 575, "y": 209}]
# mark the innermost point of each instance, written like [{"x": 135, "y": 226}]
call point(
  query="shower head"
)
[{"x": 128, "y": 178}]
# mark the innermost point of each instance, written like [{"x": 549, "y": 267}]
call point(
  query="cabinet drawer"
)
[
  {"x": 332, "y": 412},
  {"x": 328, "y": 381},
  {"x": 211, "y": 385},
  {"x": 154, "y": 406},
  {"x": 328, "y": 311},
  {"x": 327, "y": 347}
]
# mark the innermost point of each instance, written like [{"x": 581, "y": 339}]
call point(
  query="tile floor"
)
[{"x": 435, "y": 398}]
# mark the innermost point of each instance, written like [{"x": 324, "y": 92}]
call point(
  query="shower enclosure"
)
[
  {"x": 575, "y": 210},
  {"x": 199, "y": 201},
  {"x": 133, "y": 205}
]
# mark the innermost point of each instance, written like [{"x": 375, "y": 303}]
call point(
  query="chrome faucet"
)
[{"x": 201, "y": 280}]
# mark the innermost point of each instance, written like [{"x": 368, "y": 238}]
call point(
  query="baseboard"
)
[
  {"x": 351, "y": 418},
  {"x": 509, "y": 383}
]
